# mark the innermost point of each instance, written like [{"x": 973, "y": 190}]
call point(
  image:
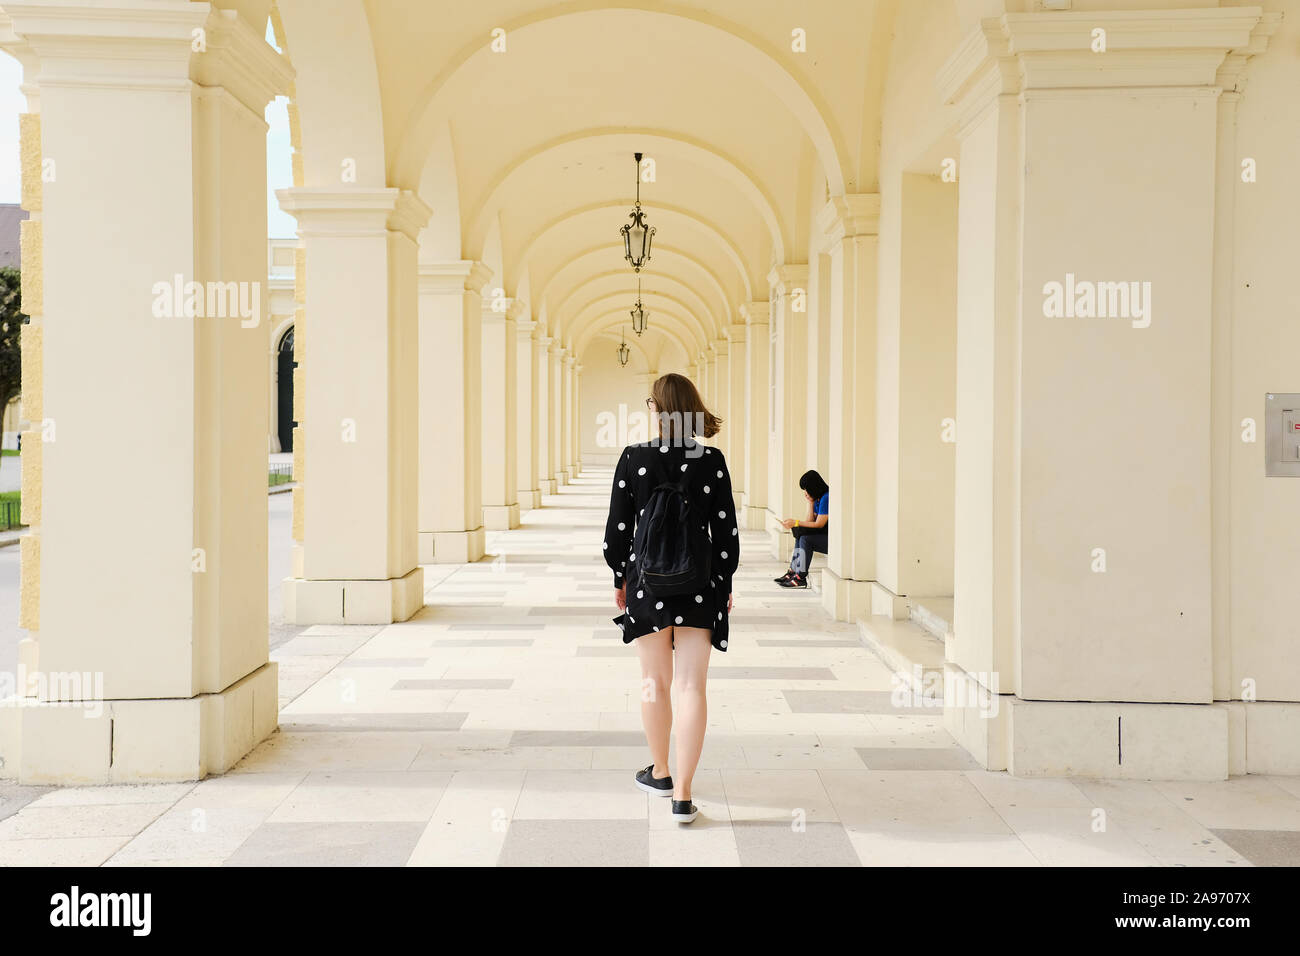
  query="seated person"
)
[{"x": 811, "y": 533}]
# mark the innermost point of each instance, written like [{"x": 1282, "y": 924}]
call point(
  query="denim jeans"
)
[{"x": 805, "y": 544}]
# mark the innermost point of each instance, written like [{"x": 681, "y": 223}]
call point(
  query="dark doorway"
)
[{"x": 284, "y": 391}]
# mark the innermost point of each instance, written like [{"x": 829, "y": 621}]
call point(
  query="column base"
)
[
  {"x": 450, "y": 547},
  {"x": 137, "y": 741},
  {"x": 887, "y": 603},
  {"x": 354, "y": 602},
  {"x": 528, "y": 500},
  {"x": 1111, "y": 740},
  {"x": 500, "y": 517},
  {"x": 844, "y": 598},
  {"x": 547, "y": 486}
]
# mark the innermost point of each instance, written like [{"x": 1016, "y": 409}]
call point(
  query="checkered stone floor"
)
[{"x": 501, "y": 726}]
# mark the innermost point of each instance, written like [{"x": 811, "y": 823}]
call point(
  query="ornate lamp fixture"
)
[
  {"x": 624, "y": 353},
  {"x": 640, "y": 317},
  {"x": 637, "y": 234}
]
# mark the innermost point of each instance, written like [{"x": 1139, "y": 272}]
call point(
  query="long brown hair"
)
[{"x": 681, "y": 410}]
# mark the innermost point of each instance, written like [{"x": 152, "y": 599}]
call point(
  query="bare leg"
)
[
  {"x": 656, "y": 652},
  {"x": 692, "y": 668}
]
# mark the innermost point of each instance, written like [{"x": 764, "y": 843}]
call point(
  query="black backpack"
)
[{"x": 671, "y": 543}]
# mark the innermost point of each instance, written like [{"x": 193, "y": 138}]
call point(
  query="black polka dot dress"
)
[{"x": 640, "y": 468}]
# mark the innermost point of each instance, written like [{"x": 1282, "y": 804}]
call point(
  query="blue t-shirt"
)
[{"x": 823, "y": 505}]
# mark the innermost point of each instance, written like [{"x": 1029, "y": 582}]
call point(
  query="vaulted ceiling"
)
[{"x": 524, "y": 147}]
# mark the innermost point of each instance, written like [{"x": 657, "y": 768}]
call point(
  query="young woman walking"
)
[{"x": 674, "y": 632}]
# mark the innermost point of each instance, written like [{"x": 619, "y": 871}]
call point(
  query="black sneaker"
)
[
  {"x": 684, "y": 811},
  {"x": 659, "y": 786},
  {"x": 794, "y": 581},
  {"x": 783, "y": 578}
]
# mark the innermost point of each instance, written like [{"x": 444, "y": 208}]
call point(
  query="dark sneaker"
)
[
  {"x": 659, "y": 786},
  {"x": 684, "y": 811},
  {"x": 783, "y": 578},
  {"x": 794, "y": 581}
]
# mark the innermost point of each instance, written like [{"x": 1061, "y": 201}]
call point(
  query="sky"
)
[{"x": 279, "y": 171}]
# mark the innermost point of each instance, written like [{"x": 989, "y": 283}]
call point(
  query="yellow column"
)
[
  {"x": 529, "y": 493},
  {"x": 500, "y": 482},
  {"x": 789, "y": 284},
  {"x": 1084, "y": 370},
  {"x": 555, "y": 410},
  {"x": 850, "y": 225},
  {"x": 545, "y": 415},
  {"x": 152, "y": 665},
  {"x": 737, "y": 374},
  {"x": 757, "y": 400},
  {"x": 721, "y": 402},
  {"x": 451, "y": 503},
  {"x": 360, "y": 554}
]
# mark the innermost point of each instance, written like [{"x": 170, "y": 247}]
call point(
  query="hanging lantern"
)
[
  {"x": 624, "y": 353},
  {"x": 637, "y": 234},
  {"x": 640, "y": 317}
]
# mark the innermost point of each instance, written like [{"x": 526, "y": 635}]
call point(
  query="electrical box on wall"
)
[{"x": 1282, "y": 435}]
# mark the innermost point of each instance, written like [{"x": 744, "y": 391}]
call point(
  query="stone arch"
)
[
  {"x": 725, "y": 244},
  {"x": 733, "y": 44},
  {"x": 339, "y": 114},
  {"x": 651, "y": 142}
]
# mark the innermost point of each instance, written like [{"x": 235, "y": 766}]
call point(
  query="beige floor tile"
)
[
  {"x": 783, "y": 795},
  {"x": 693, "y": 845},
  {"x": 921, "y": 801},
  {"x": 123, "y": 794},
  {"x": 63, "y": 851},
  {"x": 85, "y": 821},
  {"x": 579, "y": 795},
  {"x": 1067, "y": 836},
  {"x": 363, "y": 796},
  {"x": 469, "y": 825},
  {"x": 1239, "y": 803},
  {"x": 893, "y": 848}
]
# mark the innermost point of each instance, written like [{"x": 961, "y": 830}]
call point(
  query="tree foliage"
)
[{"x": 11, "y": 326}]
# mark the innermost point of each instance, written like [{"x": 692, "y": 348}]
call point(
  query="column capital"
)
[
  {"x": 567, "y": 358},
  {"x": 853, "y": 214},
  {"x": 139, "y": 44},
  {"x": 453, "y": 278},
  {"x": 755, "y": 313},
  {"x": 735, "y": 332},
  {"x": 517, "y": 308},
  {"x": 525, "y": 328},
  {"x": 543, "y": 339},
  {"x": 720, "y": 345},
  {"x": 555, "y": 348},
  {"x": 791, "y": 275},
  {"x": 1052, "y": 50},
  {"x": 356, "y": 211}
]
